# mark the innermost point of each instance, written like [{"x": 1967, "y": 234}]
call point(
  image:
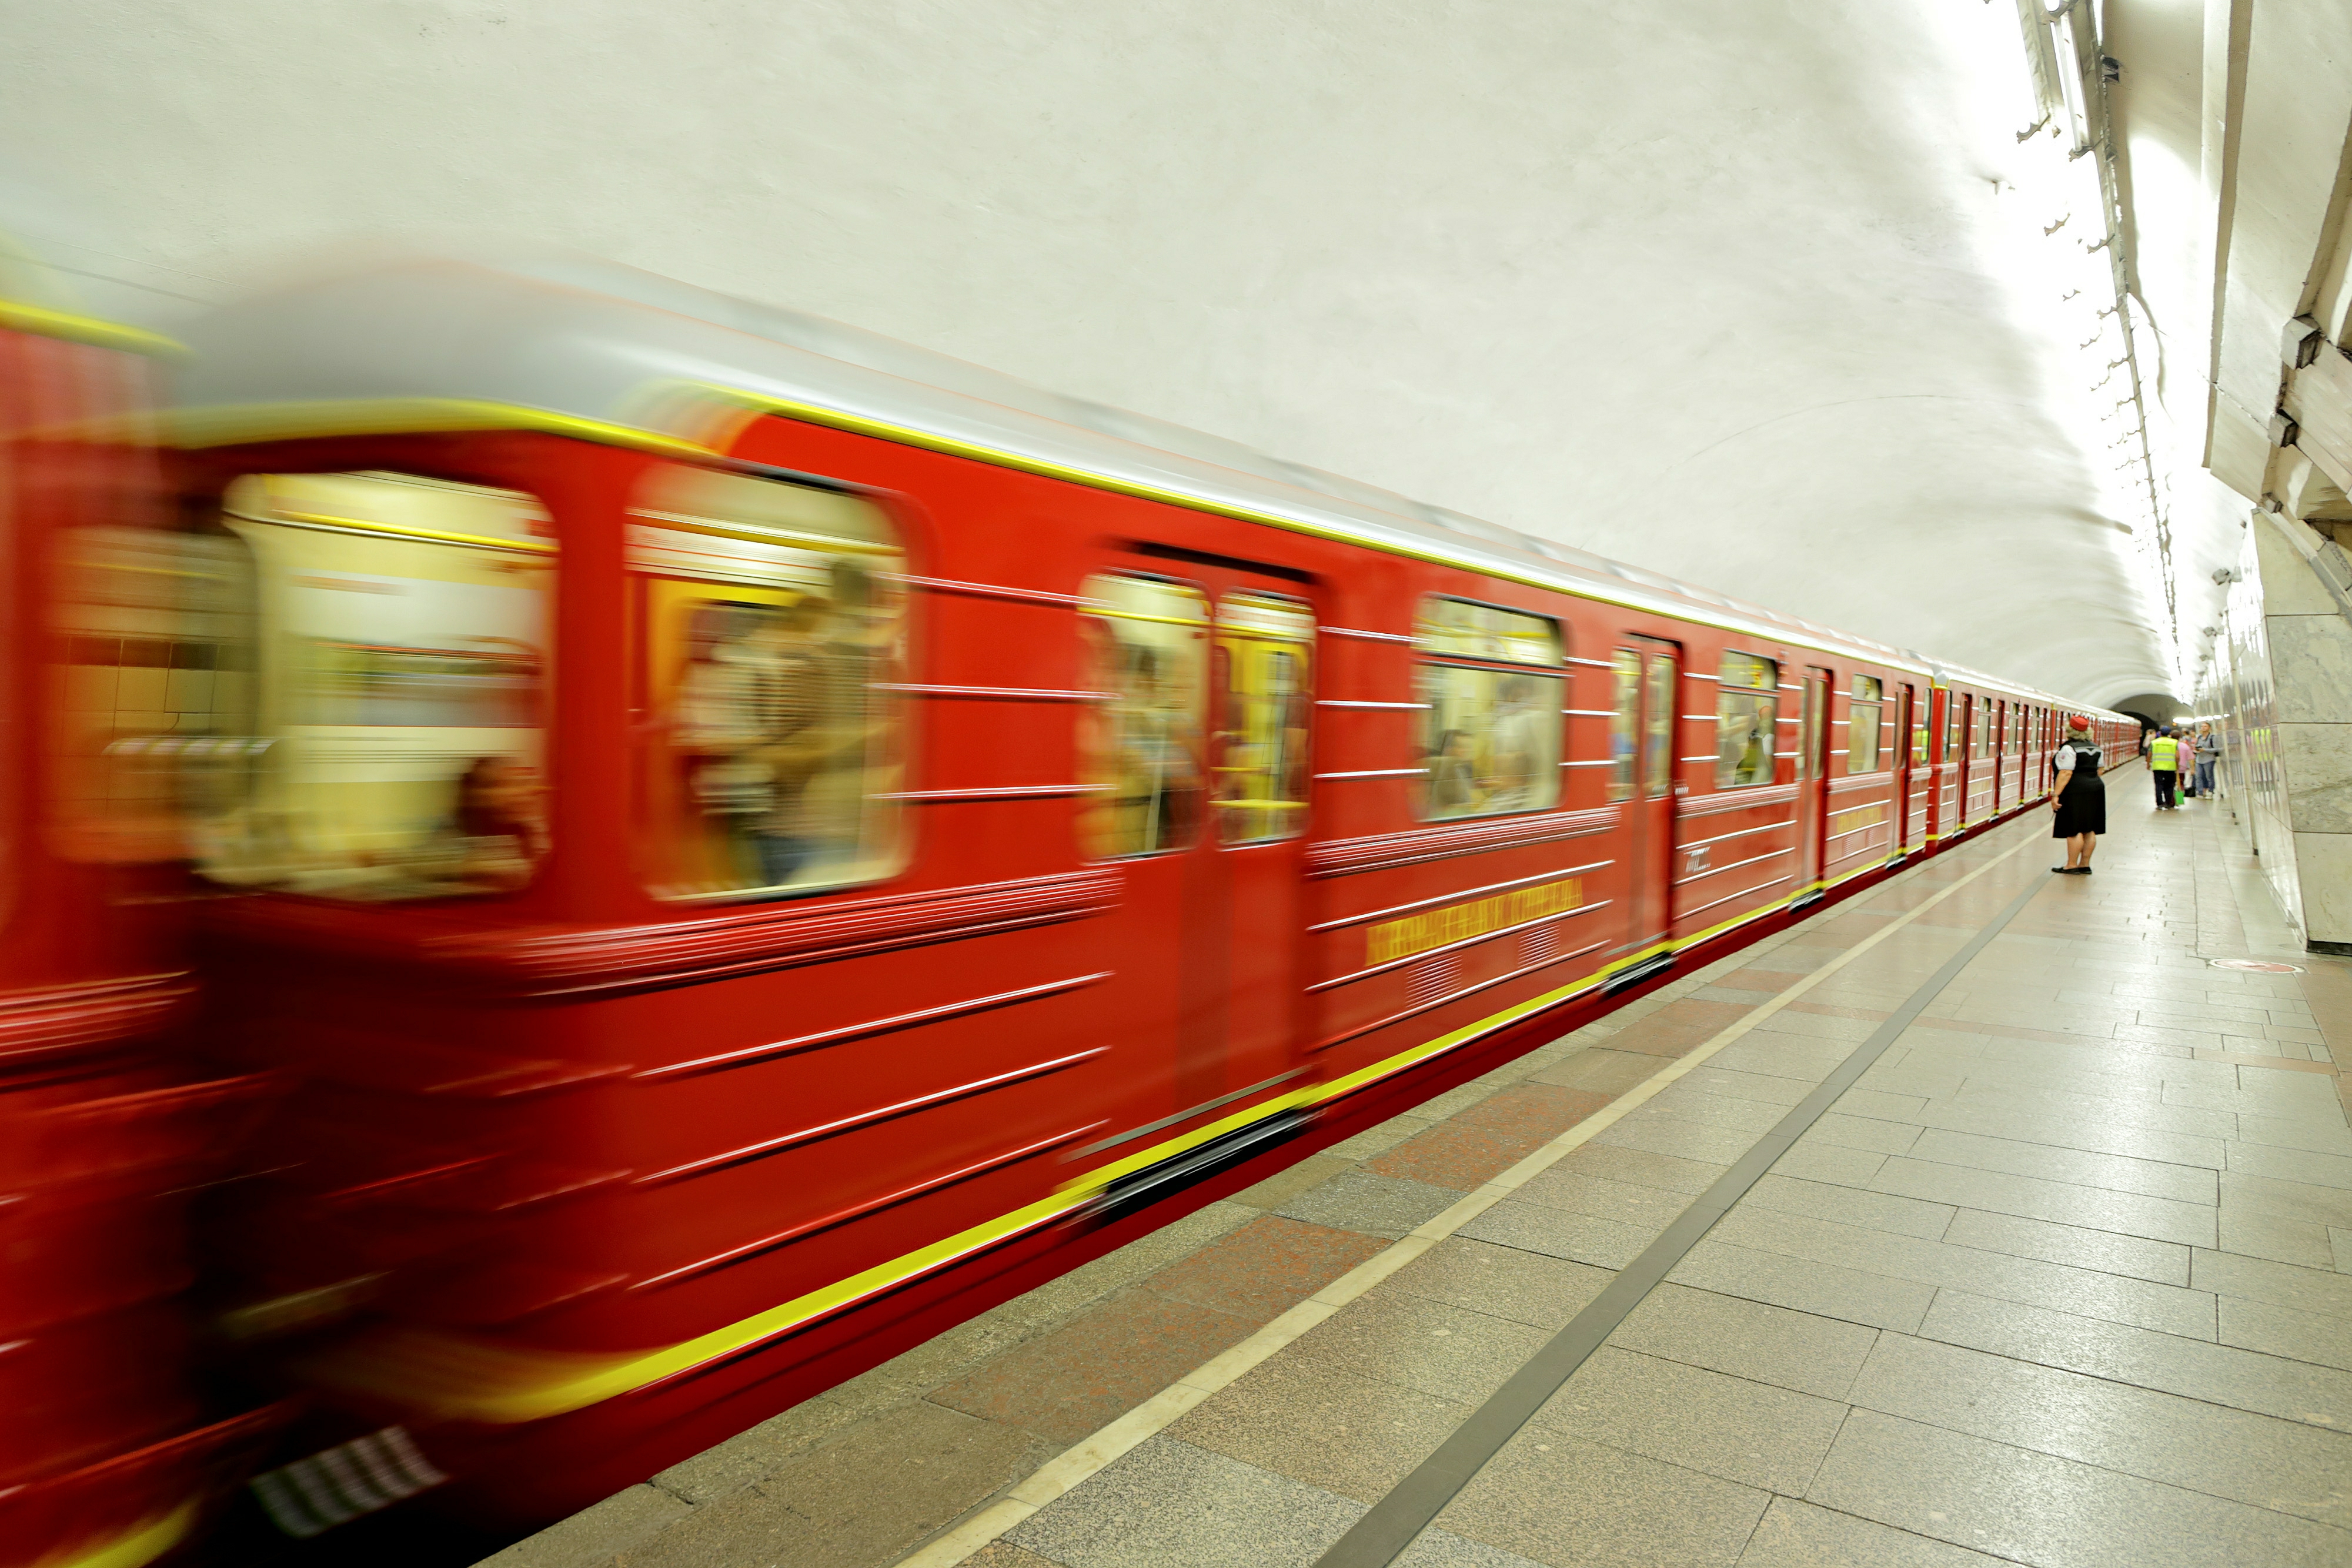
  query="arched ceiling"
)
[{"x": 1726, "y": 290}]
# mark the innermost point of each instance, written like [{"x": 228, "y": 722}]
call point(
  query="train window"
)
[
  {"x": 1624, "y": 720},
  {"x": 1746, "y": 703},
  {"x": 1267, "y": 645},
  {"x": 1863, "y": 711},
  {"x": 1658, "y": 743},
  {"x": 771, "y": 633},
  {"x": 1491, "y": 685},
  {"x": 1918, "y": 732},
  {"x": 1139, "y": 746},
  {"x": 397, "y": 736},
  {"x": 1981, "y": 727}
]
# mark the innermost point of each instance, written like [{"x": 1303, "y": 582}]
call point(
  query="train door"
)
[
  {"x": 1907, "y": 825},
  {"x": 1199, "y": 761},
  {"x": 1964, "y": 723},
  {"x": 1650, "y": 678},
  {"x": 1813, "y": 772}
]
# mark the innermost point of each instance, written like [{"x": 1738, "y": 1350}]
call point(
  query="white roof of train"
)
[{"x": 407, "y": 340}]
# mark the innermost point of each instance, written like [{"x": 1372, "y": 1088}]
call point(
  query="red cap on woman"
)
[{"x": 2079, "y": 722}]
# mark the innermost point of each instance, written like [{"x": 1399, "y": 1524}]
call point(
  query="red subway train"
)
[{"x": 740, "y": 843}]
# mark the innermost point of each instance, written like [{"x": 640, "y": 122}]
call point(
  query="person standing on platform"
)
[
  {"x": 2079, "y": 801},
  {"x": 2164, "y": 762},
  {"x": 2208, "y": 753}
]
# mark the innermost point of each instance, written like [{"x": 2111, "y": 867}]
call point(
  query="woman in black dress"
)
[{"x": 2079, "y": 801}]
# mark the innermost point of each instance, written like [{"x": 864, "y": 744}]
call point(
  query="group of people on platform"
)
[{"x": 2078, "y": 796}]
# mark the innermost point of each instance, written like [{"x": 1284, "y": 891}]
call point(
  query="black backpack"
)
[{"x": 2083, "y": 750}]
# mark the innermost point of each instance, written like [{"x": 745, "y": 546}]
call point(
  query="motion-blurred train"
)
[{"x": 722, "y": 845}]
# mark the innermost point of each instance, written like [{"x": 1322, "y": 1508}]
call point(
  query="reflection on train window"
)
[
  {"x": 1490, "y": 686},
  {"x": 1140, "y": 742},
  {"x": 1746, "y": 702},
  {"x": 398, "y": 732},
  {"x": 1267, "y": 645},
  {"x": 1980, "y": 727},
  {"x": 1658, "y": 745},
  {"x": 154, "y": 680},
  {"x": 1624, "y": 722},
  {"x": 1918, "y": 735},
  {"x": 771, "y": 623},
  {"x": 1861, "y": 727}
]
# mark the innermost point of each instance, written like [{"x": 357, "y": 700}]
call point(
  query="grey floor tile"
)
[
  {"x": 1561, "y": 1233},
  {"x": 1283, "y": 1185},
  {"x": 1851, "y": 1206},
  {"x": 1754, "y": 1433},
  {"x": 2292, "y": 1164},
  {"x": 2320, "y": 1338},
  {"x": 1813, "y": 1161},
  {"x": 2015, "y": 1155},
  {"x": 1713, "y": 1080},
  {"x": 1780, "y": 1056},
  {"x": 1642, "y": 1168},
  {"x": 2043, "y": 1510},
  {"x": 1715, "y": 1109},
  {"x": 2339, "y": 1242},
  {"x": 1869, "y": 1133},
  {"x": 1438, "y": 1349},
  {"x": 2283, "y": 1465},
  {"x": 1794, "y": 1534},
  {"x": 1629, "y": 1202},
  {"x": 1585, "y": 1505},
  {"x": 1753, "y": 1340},
  {"x": 2087, "y": 1132},
  {"x": 1879, "y": 1104},
  {"x": 2296, "y": 1132},
  {"x": 1938, "y": 1263},
  {"x": 2281, "y": 1284},
  {"x": 2195, "y": 1369},
  {"x": 1685, "y": 1139},
  {"x": 1501, "y": 1282},
  {"x": 2089, "y": 1110},
  {"x": 2110, "y": 1252},
  {"x": 1374, "y": 1204},
  {"x": 2096, "y": 1209},
  {"x": 1311, "y": 1421},
  {"x": 1166, "y": 1502},
  {"x": 2254, "y": 1102},
  {"x": 1435, "y": 1548},
  {"x": 2286, "y": 1200},
  {"x": 1148, "y": 1254},
  {"x": 1387, "y": 1136},
  {"x": 2255, "y": 1234},
  {"x": 1804, "y": 1285}
]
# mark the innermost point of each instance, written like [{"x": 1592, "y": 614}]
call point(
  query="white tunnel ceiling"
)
[{"x": 1717, "y": 289}]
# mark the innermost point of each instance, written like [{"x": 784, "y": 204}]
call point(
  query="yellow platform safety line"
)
[
  {"x": 141, "y": 1545},
  {"x": 19, "y": 317}
]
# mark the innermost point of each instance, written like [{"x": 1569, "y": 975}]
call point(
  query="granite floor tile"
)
[
  {"x": 1805, "y": 1285},
  {"x": 1455, "y": 1155},
  {"x": 2040, "y": 1509},
  {"x": 1435, "y": 1548},
  {"x": 1373, "y": 1204},
  {"x": 2254, "y": 1234},
  {"x": 2219, "y": 1373},
  {"x": 1794, "y": 1534},
  {"x": 2191, "y": 1183},
  {"x": 2092, "y": 1110},
  {"x": 1640, "y": 1167},
  {"x": 1283, "y": 1185},
  {"x": 1715, "y": 1109},
  {"x": 1750, "y": 1339},
  {"x": 1573, "y": 1504},
  {"x": 1831, "y": 1163},
  {"x": 2283, "y": 1466},
  {"x": 1166, "y": 1502},
  {"x": 2280, "y": 1284},
  {"x": 1092, "y": 1281},
  {"x": 1753, "y": 1433},
  {"x": 1429, "y": 1346},
  {"x": 1600, "y": 1070},
  {"x": 1363, "y": 1145},
  {"x": 1542, "y": 1111},
  {"x": 2303, "y": 1165},
  {"x": 1264, "y": 1269},
  {"x": 1501, "y": 1282},
  {"x": 1937, "y": 1263},
  {"x": 866, "y": 1498},
  {"x": 1757, "y": 1087},
  {"x": 2320, "y": 1338},
  {"x": 1314, "y": 1422},
  {"x": 1850, "y": 1206},
  {"x": 1851, "y": 1131},
  {"x": 1629, "y": 1202},
  {"x": 1963, "y": 1115},
  {"x": 1685, "y": 1139},
  {"x": 2096, "y": 1209},
  {"x": 1561, "y": 1233},
  {"x": 2109, "y": 1251},
  {"x": 1070, "y": 1380}
]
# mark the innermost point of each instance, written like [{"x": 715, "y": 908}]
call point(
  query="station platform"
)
[{"x": 1978, "y": 1217}]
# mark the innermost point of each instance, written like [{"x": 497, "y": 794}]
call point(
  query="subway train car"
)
[
  {"x": 109, "y": 1452},
  {"x": 755, "y": 842}
]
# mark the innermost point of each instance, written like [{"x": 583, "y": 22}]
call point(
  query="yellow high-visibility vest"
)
[{"x": 2164, "y": 754}]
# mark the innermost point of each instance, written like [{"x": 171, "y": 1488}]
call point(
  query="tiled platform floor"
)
[{"x": 2065, "y": 1279}]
